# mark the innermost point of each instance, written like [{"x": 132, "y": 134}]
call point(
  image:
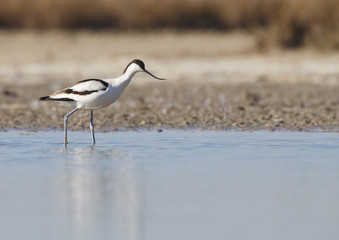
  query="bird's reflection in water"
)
[{"x": 103, "y": 189}]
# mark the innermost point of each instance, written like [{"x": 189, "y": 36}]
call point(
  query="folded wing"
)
[{"x": 81, "y": 88}]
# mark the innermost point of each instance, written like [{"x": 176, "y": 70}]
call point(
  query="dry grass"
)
[{"x": 288, "y": 23}]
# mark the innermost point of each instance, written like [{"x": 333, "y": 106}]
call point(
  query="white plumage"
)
[{"x": 91, "y": 94}]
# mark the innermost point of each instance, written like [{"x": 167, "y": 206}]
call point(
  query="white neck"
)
[{"x": 124, "y": 79}]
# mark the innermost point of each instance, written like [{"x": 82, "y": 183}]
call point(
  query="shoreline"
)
[
  {"x": 262, "y": 105},
  {"x": 333, "y": 129}
]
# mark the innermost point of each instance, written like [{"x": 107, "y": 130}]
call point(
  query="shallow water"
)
[{"x": 169, "y": 185}]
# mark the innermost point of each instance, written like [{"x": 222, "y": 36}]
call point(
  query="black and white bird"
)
[{"x": 92, "y": 94}]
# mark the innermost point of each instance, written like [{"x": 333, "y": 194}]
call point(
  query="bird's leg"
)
[
  {"x": 65, "y": 123},
  {"x": 91, "y": 126}
]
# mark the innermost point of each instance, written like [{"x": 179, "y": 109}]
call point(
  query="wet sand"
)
[{"x": 233, "y": 88}]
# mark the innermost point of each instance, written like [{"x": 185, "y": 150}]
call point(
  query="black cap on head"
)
[{"x": 140, "y": 63}]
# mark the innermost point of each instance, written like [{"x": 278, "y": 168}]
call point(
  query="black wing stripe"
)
[
  {"x": 63, "y": 99},
  {"x": 47, "y": 98},
  {"x": 71, "y": 91},
  {"x": 95, "y": 79}
]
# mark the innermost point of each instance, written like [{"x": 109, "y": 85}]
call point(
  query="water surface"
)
[{"x": 169, "y": 185}]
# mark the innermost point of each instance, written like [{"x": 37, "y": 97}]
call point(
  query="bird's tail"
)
[{"x": 46, "y": 98}]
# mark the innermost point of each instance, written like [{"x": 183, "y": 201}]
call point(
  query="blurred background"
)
[
  {"x": 285, "y": 23},
  {"x": 39, "y": 39}
]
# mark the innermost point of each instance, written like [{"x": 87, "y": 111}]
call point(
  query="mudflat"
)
[{"x": 214, "y": 81}]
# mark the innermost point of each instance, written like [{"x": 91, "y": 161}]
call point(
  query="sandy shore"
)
[
  {"x": 258, "y": 105},
  {"x": 215, "y": 81}
]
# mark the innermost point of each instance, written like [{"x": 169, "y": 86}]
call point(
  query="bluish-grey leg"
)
[
  {"x": 65, "y": 123},
  {"x": 91, "y": 126}
]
